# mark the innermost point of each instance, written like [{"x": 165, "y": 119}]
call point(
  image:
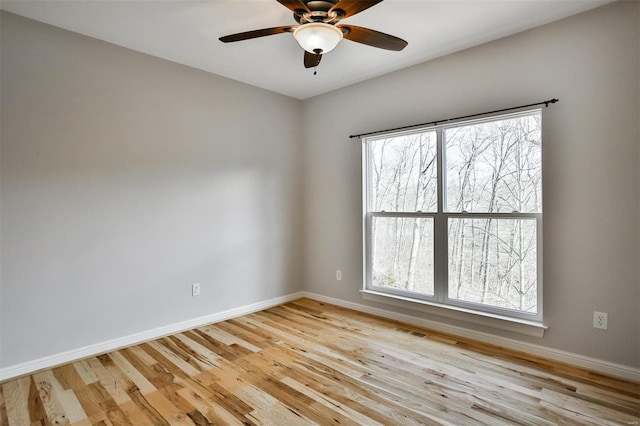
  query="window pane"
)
[
  {"x": 402, "y": 253},
  {"x": 403, "y": 173},
  {"x": 494, "y": 262},
  {"x": 495, "y": 166}
]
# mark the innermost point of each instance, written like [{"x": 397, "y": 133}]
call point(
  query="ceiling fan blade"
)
[
  {"x": 351, "y": 7},
  {"x": 256, "y": 33},
  {"x": 372, "y": 37},
  {"x": 294, "y": 5},
  {"x": 311, "y": 59}
]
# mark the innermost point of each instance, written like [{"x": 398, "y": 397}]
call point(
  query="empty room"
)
[{"x": 293, "y": 212}]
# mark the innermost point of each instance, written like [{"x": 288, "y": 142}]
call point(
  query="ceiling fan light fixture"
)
[{"x": 316, "y": 36}]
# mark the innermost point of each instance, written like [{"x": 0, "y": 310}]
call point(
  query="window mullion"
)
[{"x": 440, "y": 224}]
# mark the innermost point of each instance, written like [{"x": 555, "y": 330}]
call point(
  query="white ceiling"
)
[{"x": 187, "y": 32}]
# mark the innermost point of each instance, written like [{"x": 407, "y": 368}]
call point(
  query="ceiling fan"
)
[{"x": 319, "y": 31}]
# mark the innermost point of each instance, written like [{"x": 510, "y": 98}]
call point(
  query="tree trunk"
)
[{"x": 415, "y": 237}]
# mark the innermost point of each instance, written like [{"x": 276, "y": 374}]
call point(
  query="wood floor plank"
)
[
  {"x": 84, "y": 371},
  {"x": 188, "y": 365},
  {"x": 4, "y": 420},
  {"x": 590, "y": 409},
  {"x": 330, "y": 403},
  {"x": 50, "y": 395},
  {"x": 90, "y": 404},
  {"x": 167, "y": 410},
  {"x": 351, "y": 391},
  {"x": 37, "y": 413},
  {"x": 143, "y": 356},
  {"x": 122, "y": 364},
  {"x": 211, "y": 410},
  {"x": 204, "y": 355},
  {"x": 267, "y": 409},
  {"x": 115, "y": 389},
  {"x": 308, "y": 362},
  {"x": 243, "y": 333},
  {"x": 229, "y": 339},
  {"x": 16, "y": 394},
  {"x": 96, "y": 400}
]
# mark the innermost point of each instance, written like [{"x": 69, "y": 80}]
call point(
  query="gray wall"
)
[
  {"x": 591, "y": 166},
  {"x": 125, "y": 178}
]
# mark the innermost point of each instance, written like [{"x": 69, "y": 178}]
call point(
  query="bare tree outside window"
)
[
  {"x": 489, "y": 213},
  {"x": 494, "y": 167},
  {"x": 404, "y": 173}
]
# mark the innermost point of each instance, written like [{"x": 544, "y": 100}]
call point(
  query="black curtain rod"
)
[{"x": 435, "y": 123}]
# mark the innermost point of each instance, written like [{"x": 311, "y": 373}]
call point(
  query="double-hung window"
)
[{"x": 453, "y": 214}]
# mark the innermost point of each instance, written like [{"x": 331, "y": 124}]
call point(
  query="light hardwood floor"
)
[{"x": 307, "y": 362}]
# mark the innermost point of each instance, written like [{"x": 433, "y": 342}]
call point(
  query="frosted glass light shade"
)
[{"x": 317, "y": 35}]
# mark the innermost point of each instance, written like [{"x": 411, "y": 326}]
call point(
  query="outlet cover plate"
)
[{"x": 600, "y": 320}]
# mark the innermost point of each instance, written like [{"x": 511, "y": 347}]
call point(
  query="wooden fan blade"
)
[
  {"x": 294, "y": 5},
  {"x": 351, "y": 7},
  {"x": 256, "y": 33},
  {"x": 372, "y": 37},
  {"x": 311, "y": 59}
]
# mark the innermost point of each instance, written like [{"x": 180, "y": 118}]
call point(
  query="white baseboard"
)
[
  {"x": 596, "y": 365},
  {"x": 592, "y": 364},
  {"x": 133, "y": 339}
]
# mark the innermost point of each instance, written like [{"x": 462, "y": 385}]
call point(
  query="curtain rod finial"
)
[{"x": 552, "y": 101}]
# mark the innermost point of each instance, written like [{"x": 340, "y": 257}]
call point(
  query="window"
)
[{"x": 453, "y": 214}]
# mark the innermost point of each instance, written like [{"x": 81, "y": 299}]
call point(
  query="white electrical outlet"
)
[
  {"x": 338, "y": 275},
  {"x": 600, "y": 320},
  {"x": 195, "y": 289}
]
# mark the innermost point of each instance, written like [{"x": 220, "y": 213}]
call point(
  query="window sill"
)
[{"x": 515, "y": 325}]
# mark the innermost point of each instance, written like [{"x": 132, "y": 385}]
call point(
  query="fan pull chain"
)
[{"x": 318, "y": 53}]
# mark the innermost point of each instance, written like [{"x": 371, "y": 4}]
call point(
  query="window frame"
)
[{"x": 441, "y": 219}]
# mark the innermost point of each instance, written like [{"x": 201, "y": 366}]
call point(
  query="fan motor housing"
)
[
  {"x": 328, "y": 17},
  {"x": 320, "y": 5}
]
